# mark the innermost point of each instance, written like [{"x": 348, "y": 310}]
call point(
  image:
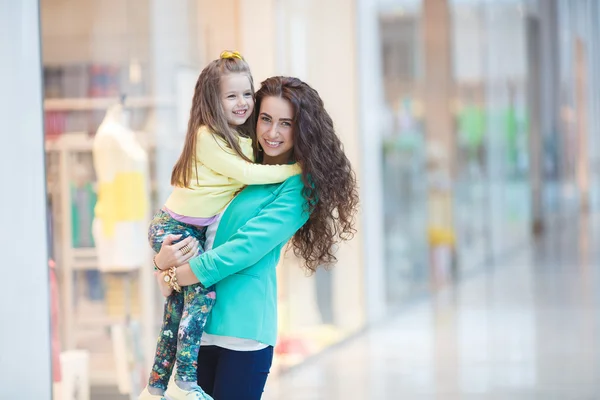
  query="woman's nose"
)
[{"x": 274, "y": 131}]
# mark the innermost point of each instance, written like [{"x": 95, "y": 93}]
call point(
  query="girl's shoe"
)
[
  {"x": 146, "y": 395},
  {"x": 174, "y": 392}
]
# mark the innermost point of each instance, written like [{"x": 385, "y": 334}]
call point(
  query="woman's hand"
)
[
  {"x": 170, "y": 255},
  {"x": 165, "y": 289}
]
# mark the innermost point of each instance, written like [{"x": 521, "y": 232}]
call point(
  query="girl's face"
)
[
  {"x": 237, "y": 98},
  {"x": 275, "y": 130}
]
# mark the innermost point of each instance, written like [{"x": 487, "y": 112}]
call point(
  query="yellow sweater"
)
[{"x": 219, "y": 174}]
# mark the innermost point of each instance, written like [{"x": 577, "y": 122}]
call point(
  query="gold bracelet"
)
[
  {"x": 170, "y": 277},
  {"x": 156, "y": 265}
]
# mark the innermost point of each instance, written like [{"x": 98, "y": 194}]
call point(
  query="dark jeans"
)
[{"x": 233, "y": 375}]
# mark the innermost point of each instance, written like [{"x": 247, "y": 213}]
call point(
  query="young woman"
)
[{"x": 314, "y": 210}]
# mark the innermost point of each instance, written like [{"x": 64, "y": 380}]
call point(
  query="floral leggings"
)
[{"x": 185, "y": 313}]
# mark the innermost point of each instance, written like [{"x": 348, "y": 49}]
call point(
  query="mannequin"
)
[{"x": 121, "y": 213}]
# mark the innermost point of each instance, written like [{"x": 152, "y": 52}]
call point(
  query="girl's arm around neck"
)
[{"x": 213, "y": 152}]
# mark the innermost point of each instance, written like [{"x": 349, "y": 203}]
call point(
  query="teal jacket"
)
[{"x": 253, "y": 230}]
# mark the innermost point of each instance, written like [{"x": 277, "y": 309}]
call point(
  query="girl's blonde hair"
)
[{"x": 207, "y": 110}]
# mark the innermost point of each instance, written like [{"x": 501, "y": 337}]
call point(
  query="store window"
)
[
  {"x": 404, "y": 154},
  {"x": 492, "y": 111},
  {"x": 118, "y": 80},
  {"x": 463, "y": 160}
]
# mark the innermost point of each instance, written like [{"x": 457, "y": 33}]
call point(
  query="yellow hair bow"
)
[{"x": 231, "y": 54}]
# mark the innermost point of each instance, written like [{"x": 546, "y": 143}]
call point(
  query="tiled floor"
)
[{"x": 528, "y": 329}]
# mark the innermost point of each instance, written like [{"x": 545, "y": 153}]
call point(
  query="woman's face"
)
[{"x": 275, "y": 130}]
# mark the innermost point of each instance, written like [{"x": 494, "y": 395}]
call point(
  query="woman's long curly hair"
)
[{"x": 329, "y": 181}]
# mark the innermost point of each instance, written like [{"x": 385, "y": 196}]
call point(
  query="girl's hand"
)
[
  {"x": 165, "y": 289},
  {"x": 170, "y": 255}
]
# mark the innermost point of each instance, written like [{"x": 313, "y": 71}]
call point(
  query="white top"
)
[{"x": 226, "y": 342}]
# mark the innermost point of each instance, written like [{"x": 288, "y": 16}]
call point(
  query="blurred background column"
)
[
  {"x": 25, "y": 308},
  {"x": 549, "y": 99},
  {"x": 593, "y": 18},
  {"x": 582, "y": 58},
  {"x": 580, "y": 63},
  {"x": 536, "y": 73},
  {"x": 372, "y": 124},
  {"x": 439, "y": 132}
]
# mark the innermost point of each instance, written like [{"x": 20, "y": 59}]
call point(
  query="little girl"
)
[{"x": 216, "y": 162}]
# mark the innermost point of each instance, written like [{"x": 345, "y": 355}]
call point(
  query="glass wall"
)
[
  {"x": 403, "y": 153},
  {"x": 579, "y": 102},
  {"x": 118, "y": 79},
  {"x": 508, "y": 122},
  {"x": 508, "y": 143},
  {"x": 456, "y": 164}
]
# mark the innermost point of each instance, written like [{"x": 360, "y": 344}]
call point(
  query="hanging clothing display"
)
[{"x": 121, "y": 212}]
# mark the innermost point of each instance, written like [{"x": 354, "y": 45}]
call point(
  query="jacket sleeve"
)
[
  {"x": 215, "y": 154},
  {"x": 275, "y": 224}
]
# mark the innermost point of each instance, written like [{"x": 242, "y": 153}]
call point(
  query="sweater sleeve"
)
[
  {"x": 215, "y": 153},
  {"x": 275, "y": 224}
]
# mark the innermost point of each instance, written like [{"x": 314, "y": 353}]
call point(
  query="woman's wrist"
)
[
  {"x": 185, "y": 275},
  {"x": 156, "y": 266},
  {"x": 170, "y": 278},
  {"x": 165, "y": 289}
]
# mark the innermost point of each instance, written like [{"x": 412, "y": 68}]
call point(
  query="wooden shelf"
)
[{"x": 102, "y": 103}]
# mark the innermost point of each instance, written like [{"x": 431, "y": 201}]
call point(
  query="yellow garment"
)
[
  {"x": 122, "y": 199},
  {"x": 219, "y": 174},
  {"x": 121, "y": 166}
]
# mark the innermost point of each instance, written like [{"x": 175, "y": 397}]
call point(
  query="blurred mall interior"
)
[{"x": 474, "y": 129}]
